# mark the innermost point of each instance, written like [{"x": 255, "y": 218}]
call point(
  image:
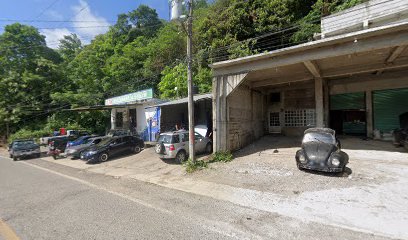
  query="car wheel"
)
[
  {"x": 11, "y": 155},
  {"x": 103, "y": 157},
  {"x": 14, "y": 159},
  {"x": 137, "y": 149},
  {"x": 208, "y": 148},
  {"x": 38, "y": 155},
  {"x": 181, "y": 156}
]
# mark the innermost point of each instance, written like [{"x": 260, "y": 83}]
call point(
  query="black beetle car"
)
[
  {"x": 321, "y": 151},
  {"x": 112, "y": 146}
]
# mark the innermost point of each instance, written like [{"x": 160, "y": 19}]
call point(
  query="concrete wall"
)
[{"x": 245, "y": 109}]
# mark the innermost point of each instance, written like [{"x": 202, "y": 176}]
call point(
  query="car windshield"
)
[
  {"x": 321, "y": 137},
  {"x": 79, "y": 139},
  {"x": 165, "y": 138},
  {"x": 104, "y": 142},
  {"x": 23, "y": 143}
]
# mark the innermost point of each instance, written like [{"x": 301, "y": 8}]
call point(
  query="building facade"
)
[{"x": 353, "y": 79}]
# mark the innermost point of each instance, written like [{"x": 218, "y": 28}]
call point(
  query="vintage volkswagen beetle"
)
[{"x": 321, "y": 151}]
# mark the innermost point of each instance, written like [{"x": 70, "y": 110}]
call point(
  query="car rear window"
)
[{"x": 165, "y": 138}]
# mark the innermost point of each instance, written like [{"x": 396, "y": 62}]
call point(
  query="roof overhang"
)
[
  {"x": 351, "y": 43},
  {"x": 197, "y": 98}
]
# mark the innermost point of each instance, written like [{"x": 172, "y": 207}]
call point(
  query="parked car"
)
[
  {"x": 73, "y": 133},
  {"x": 321, "y": 151},
  {"x": 78, "y": 141},
  {"x": 23, "y": 148},
  {"x": 174, "y": 145},
  {"x": 112, "y": 146},
  {"x": 56, "y": 146},
  {"x": 400, "y": 136},
  {"x": 75, "y": 151}
]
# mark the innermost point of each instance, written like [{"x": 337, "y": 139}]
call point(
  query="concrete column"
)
[
  {"x": 214, "y": 112},
  {"x": 220, "y": 114},
  {"x": 369, "y": 113},
  {"x": 326, "y": 93},
  {"x": 113, "y": 119},
  {"x": 319, "y": 102}
]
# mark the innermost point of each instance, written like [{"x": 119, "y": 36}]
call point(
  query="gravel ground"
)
[{"x": 269, "y": 165}]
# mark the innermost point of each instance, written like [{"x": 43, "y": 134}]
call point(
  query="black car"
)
[
  {"x": 24, "y": 148},
  {"x": 321, "y": 151},
  {"x": 112, "y": 146}
]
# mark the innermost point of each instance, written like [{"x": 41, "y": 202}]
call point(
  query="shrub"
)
[
  {"x": 222, "y": 156},
  {"x": 29, "y": 134},
  {"x": 192, "y": 166}
]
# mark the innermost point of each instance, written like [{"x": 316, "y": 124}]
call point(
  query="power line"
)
[
  {"x": 53, "y": 21},
  {"x": 48, "y": 7}
]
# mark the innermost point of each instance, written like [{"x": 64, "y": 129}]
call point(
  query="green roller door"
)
[
  {"x": 347, "y": 101},
  {"x": 387, "y": 106}
]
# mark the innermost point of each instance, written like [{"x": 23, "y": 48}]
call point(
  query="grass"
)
[
  {"x": 223, "y": 156},
  {"x": 192, "y": 166}
]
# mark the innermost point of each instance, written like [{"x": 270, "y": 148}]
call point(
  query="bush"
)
[
  {"x": 222, "y": 156},
  {"x": 29, "y": 134},
  {"x": 192, "y": 166}
]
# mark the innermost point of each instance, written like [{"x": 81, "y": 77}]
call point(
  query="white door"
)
[{"x": 274, "y": 122}]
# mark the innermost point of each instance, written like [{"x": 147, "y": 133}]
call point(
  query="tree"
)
[
  {"x": 28, "y": 73},
  {"x": 69, "y": 47}
]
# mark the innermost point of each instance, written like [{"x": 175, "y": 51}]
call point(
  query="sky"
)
[{"x": 88, "y": 18}]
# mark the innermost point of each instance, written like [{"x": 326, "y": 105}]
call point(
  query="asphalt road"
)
[{"x": 43, "y": 200}]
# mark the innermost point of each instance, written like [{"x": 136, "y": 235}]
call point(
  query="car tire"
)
[
  {"x": 137, "y": 149},
  {"x": 38, "y": 155},
  {"x": 181, "y": 156},
  {"x": 11, "y": 155},
  {"x": 103, "y": 157},
  {"x": 14, "y": 159},
  {"x": 209, "y": 148}
]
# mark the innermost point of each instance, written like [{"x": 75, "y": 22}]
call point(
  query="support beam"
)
[
  {"x": 219, "y": 113},
  {"x": 271, "y": 82},
  {"x": 369, "y": 113},
  {"x": 395, "y": 53},
  {"x": 364, "y": 68},
  {"x": 313, "y": 68},
  {"x": 319, "y": 102}
]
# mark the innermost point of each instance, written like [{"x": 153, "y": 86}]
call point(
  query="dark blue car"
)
[{"x": 78, "y": 141}]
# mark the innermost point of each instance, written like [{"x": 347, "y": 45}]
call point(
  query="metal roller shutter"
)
[
  {"x": 387, "y": 106},
  {"x": 347, "y": 101}
]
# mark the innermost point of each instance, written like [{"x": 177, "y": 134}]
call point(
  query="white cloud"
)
[
  {"x": 52, "y": 36},
  {"x": 86, "y": 29}
]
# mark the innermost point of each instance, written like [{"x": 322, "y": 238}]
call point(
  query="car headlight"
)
[
  {"x": 335, "y": 161},
  {"x": 92, "y": 152},
  {"x": 302, "y": 158}
]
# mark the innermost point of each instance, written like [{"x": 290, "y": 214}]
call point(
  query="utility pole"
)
[
  {"x": 190, "y": 80},
  {"x": 176, "y": 11}
]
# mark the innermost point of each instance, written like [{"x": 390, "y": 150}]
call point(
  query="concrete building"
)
[{"x": 354, "y": 79}]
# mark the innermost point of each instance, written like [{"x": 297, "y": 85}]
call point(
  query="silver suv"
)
[{"x": 174, "y": 145}]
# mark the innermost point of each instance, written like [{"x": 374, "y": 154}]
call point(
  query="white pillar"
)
[
  {"x": 319, "y": 102},
  {"x": 113, "y": 119}
]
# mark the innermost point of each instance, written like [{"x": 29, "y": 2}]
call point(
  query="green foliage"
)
[
  {"x": 29, "y": 134},
  {"x": 174, "y": 81},
  {"x": 139, "y": 51},
  {"x": 222, "y": 156},
  {"x": 192, "y": 166}
]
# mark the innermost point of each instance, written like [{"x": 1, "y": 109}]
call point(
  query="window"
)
[
  {"x": 197, "y": 136},
  {"x": 275, "y": 97},
  {"x": 274, "y": 119},
  {"x": 175, "y": 139},
  {"x": 185, "y": 137},
  {"x": 300, "y": 118}
]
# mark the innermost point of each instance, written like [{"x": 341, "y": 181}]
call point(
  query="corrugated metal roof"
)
[{"x": 197, "y": 98}]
